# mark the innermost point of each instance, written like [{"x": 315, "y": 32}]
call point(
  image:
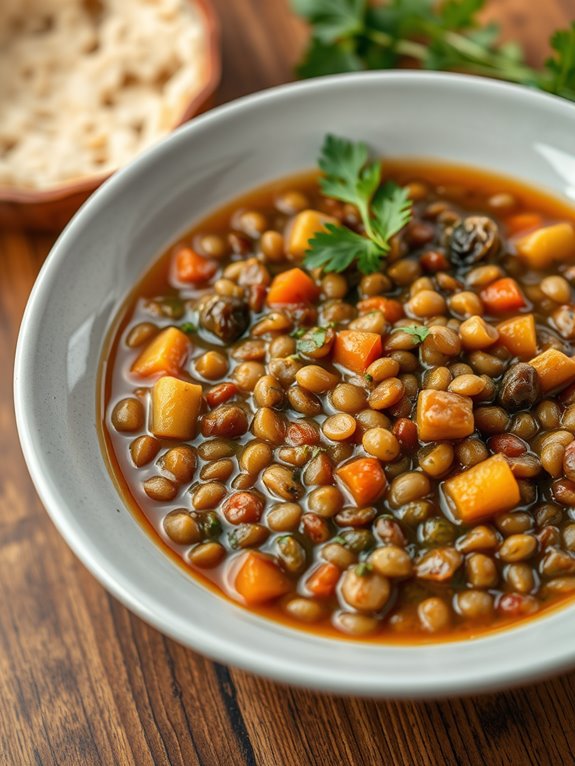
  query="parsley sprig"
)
[
  {"x": 418, "y": 331},
  {"x": 353, "y": 35},
  {"x": 350, "y": 177}
]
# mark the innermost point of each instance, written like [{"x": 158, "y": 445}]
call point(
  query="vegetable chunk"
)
[
  {"x": 293, "y": 286},
  {"x": 192, "y": 268},
  {"x": 166, "y": 354},
  {"x": 502, "y": 295},
  {"x": 259, "y": 579},
  {"x": 484, "y": 490},
  {"x": 303, "y": 227},
  {"x": 519, "y": 336},
  {"x": 551, "y": 244},
  {"x": 364, "y": 478},
  {"x": 356, "y": 350},
  {"x": 443, "y": 415},
  {"x": 554, "y": 369},
  {"x": 175, "y": 408}
]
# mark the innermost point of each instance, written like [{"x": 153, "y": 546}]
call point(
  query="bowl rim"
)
[
  {"x": 84, "y": 186},
  {"x": 223, "y": 649}
]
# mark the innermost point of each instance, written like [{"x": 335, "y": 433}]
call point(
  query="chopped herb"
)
[
  {"x": 369, "y": 378},
  {"x": 339, "y": 540},
  {"x": 418, "y": 332},
  {"x": 350, "y": 177},
  {"x": 312, "y": 340},
  {"x": 298, "y": 332},
  {"x": 363, "y": 569},
  {"x": 188, "y": 327},
  {"x": 355, "y": 35}
]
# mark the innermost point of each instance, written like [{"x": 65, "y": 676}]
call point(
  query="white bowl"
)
[{"x": 123, "y": 228}]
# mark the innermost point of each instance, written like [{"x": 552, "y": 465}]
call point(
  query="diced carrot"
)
[
  {"x": 259, "y": 579},
  {"x": 522, "y": 222},
  {"x": 554, "y": 369},
  {"x": 193, "y": 268},
  {"x": 364, "y": 478},
  {"x": 484, "y": 490},
  {"x": 356, "y": 349},
  {"x": 323, "y": 579},
  {"x": 443, "y": 415},
  {"x": 389, "y": 307},
  {"x": 548, "y": 245},
  {"x": 221, "y": 393},
  {"x": 166, "y": 353},
  {"x": 175, "y": 408},
  {"x": 519, "y": 336},
  {"x": 293, "y": 286},
  {"x": 502, "y": 295},
  {"x": 302, "y": 229}
]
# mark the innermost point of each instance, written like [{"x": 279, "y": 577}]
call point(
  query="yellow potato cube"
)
[
  {"x": 302, "y": 229},
  {"x": 443, "y": 415},
  {"x": 554, "y": 369},
  {"x": 175, "y": 408},
  {"x": 483, "y": 490},
  {"x": 551, "y": 244}
]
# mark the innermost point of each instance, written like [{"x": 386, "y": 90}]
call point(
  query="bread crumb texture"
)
[{"x": 87, "y": 84}]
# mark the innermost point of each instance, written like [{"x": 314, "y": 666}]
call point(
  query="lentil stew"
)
[{"x": 387, "y": 454}]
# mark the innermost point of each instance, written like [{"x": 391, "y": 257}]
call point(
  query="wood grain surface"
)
[{"x": 82, "y": 681}]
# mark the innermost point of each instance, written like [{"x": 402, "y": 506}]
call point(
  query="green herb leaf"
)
[
  {"x": 420, "y": 333},
  {"x": 351, "y": 35},
  {"x": 337, "y": 248},
  {"x": 351, "y": 178},
  {"x": 562, "y": 65},
  {"x": 312, "y": 340},
  {"x": 188, "y": 327},
  {"x": 332, "y": 19},
  {"x": 321, "y": 59},
  {"x": 363, "y": 569}
]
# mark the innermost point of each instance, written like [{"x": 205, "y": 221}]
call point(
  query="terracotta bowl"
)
[{"x": 51, "y": 209}]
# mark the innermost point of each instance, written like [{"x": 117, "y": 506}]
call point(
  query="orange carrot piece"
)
[
  {"x": 522, "y": 222},
  {"x": 519, "y": 336},
  {"x": 356, "y": 349},
  {"x": 389, "y": 307},
  {"x": 193, "y": 268},
  {"x": 293, "y": 286},
  {"x": 166, "y": 353},
  {"x": 322, "y": 581},
  {"x": 502, "y": 295},
  {"x": 364, "y": 478},
  {"x": 484, "y": 490},
  {"x": 259, "y": 579},
  {"x": 554, "y": 369},
  {"x": 443, "y": 415}
]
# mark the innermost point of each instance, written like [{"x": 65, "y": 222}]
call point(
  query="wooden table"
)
[{"x": 82, "y": 681}]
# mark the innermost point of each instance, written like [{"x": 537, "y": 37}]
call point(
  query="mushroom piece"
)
[
  {"x": 473, "y": 239},
  {"x": 225, "y": 317}
]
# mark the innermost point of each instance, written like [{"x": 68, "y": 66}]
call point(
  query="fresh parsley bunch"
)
[
  {"x": 353, "y": 35},
  {"x": 350, "y": 177}
]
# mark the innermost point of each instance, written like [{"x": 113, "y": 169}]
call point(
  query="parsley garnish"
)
[
  {"x": 384, "y": 209},
  {"x": 363, "y": 569},
  {"x": 188, "y": 327},
  {"x": 417, "y": 331},
  {"x": 311, "y": 341},
  {"x": 354, "y": 35}
]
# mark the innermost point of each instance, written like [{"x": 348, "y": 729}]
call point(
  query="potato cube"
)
[
  {"x": 551, "y": 244},
  {"x": 554, "y": 369},
  {"x": 302, "y": 229},
  {"x": 443, "y": 415},
  {"x": 175, "y": 408},
  {"x": 485, "y": 489}
]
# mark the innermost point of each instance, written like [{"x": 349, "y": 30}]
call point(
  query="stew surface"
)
[{"x": 387, "y": 455}]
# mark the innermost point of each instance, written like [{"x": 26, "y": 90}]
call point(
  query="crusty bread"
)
[{"x": 87, "y": 84}]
